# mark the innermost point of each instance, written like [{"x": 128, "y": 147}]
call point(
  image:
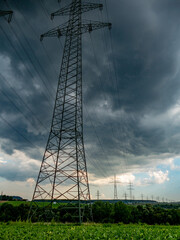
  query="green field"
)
[
  {"x": 40, "y": 204},
  {"x": 53, "y": 231}
]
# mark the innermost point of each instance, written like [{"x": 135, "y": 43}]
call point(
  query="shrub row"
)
[{"x": 103, "y": 212}]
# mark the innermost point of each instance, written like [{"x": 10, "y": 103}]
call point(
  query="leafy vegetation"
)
[
  {"x": 103, "y": 212},
  {"x": 6, "y": 198},
  {"x": 28, "y": 231}
]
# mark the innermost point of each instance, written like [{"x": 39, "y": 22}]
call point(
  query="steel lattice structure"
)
[
  {"x": 63, "y": 172},
  {"x": 6, "y": 13},
  {"x": 115, "y": 187}
]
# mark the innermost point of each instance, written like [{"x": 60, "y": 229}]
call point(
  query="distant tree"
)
[
  {"x": 6, "y": 198},
  {"x": 22, "y": 210},
  {"x": 8, "y": 212},
  {"x": 102, "y": 211},
  {"x": 122, "y": 213},
  {"x": 135, "y": 215}
]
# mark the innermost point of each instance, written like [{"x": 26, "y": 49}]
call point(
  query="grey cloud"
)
[{"x": 146, "y": 55}]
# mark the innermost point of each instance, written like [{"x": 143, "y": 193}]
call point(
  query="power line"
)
[
  {"x": 37, "y": 60},
  {"x": 44, "y": 9},
  {"x": 22, "y": 61},
  {"x": 4, "y": 13},
  {"x": 37, "y": 37},
  {"x": 31, "y": 61},
  {"x": 99, "y": 141},
  {"x": 18, "y": 132},
  {"x": 96, "y": 165},
  {"x": 17, "y": 108},
  {"x": 120, "y": 130},
  {"x": 27, "y": 54},
  {"x": 21, "y": 99}
]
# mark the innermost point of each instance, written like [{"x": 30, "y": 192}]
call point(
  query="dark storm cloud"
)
[
  {"x": 146, "y": 45},
  {"x": 146, "y": 55},
  {"x": 145, "y": 83},
  {"x": 28, "y": 77}
]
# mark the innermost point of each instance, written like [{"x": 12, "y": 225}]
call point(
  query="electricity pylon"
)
[
  {"x": 130, "y": 188},
  {"x": 6, "y": 13},
  {"x": 125, "y": 196},
  {"x": 115, "y": 187},
  {"x": 98, "y": 194},
  {"x": 63, "y": 172}
]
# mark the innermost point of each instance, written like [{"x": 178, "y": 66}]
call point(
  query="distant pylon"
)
[
  {"x": 115, "y": 187},
  {"x": 125, "y": 196},
  {"x": 63, "y": 172},
  {"x": 98, "y": 195},
  {"x": 130, "y": 188}
]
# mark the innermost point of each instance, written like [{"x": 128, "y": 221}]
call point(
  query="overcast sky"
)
[{"x": 131, "y": 94}]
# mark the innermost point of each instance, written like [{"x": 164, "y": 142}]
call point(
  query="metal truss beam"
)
[
  {"x": 5, "y": 13},
  {"x": 85, "y": 7},
  {"x": 87, "y": 26}
]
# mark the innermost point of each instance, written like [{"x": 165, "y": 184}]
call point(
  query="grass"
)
[
  {"x": 40, "y": 204},
  {"x": 54, "y": 231}
]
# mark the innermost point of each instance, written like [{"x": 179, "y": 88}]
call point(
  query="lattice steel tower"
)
[
  {"x": 115, "y": 187},
  {"x": 63, "y": 172}
]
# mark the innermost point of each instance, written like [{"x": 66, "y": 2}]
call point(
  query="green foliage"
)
[
  {"x": 54, "y": 231},
  {"x": 122, "y": 213},
  {"x": 6, "y": 198},
  {"x": 103, "y": 212}
]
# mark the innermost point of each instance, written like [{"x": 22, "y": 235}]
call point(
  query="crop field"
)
[
  {"x": 53, "y": 231},
  {"x": 40, "y": 204}
]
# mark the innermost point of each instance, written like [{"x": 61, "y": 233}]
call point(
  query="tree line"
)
[
  {"x": 6, "y": 198},
  {"x": 103, "y": 212}
]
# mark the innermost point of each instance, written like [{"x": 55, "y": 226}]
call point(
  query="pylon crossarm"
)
[
  {"x": 54, "y": 33},
  {"x": 90, "y": 26},
  {"x": 85, "y": 7},
  {"x": 4, "y": 13},
  {"x": 87, "y": 26}
]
